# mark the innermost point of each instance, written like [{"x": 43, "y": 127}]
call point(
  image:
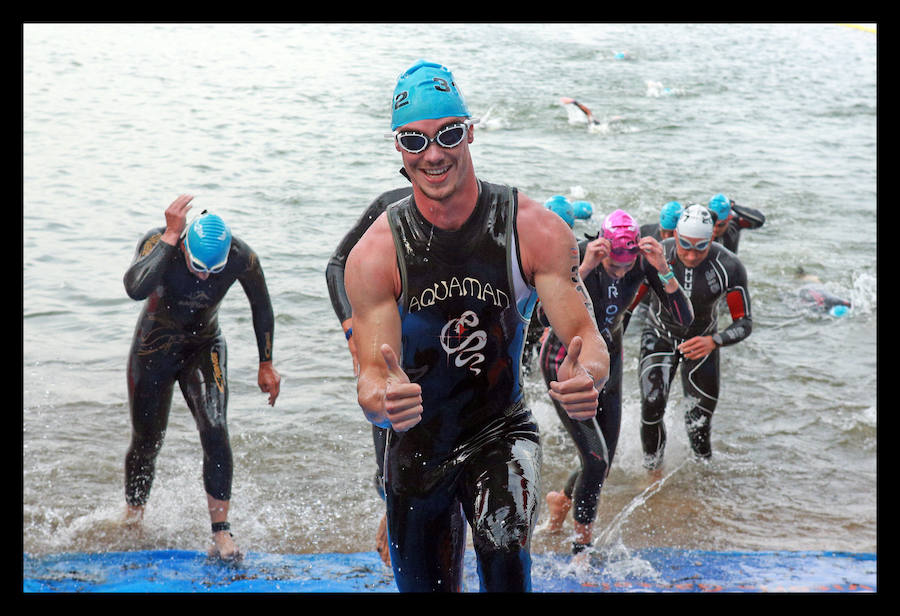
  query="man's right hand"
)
[
  {"x": 176, "y": 217},
  {"x": 402, "y": 399}
]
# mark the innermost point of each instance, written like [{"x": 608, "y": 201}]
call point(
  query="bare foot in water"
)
[
  {"x": 224, "y": 548},
  {"x": 133, "y": 517},
  {"x": 381, "y": 542},
  {"x": 558, "y": 505}
]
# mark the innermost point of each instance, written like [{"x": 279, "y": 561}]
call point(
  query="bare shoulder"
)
[
  {"x": 372, "y": 261},
  {"x": 544, "y": 237}
]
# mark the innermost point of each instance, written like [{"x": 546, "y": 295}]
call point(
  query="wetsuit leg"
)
[
  {"x": 659, "y": 360},
  {"x": 595, "y": 440},
  {"x": 500, "y": 495},
  {"x": 150, "y": 384},
  {"x": 700, "y": 380},
  {"x": 427, "y": 538},
  {"x": 204, "y": 384}
]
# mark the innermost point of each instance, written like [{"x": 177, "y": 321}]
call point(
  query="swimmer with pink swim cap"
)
[{"x": 623, "y": 234}]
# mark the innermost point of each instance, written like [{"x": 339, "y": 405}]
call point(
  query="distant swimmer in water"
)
[
  {"x": 815, "y": 295},
  {"x": 184, "y": 272},
  {"x": 592, "y": 121}
]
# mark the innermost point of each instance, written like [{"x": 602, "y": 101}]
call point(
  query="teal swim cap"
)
[
  {"x": 583, "y": 209},
  {"x": 208, "y": 240},
  {"x": 669, "y": 215},
  {"x": 561, "y": 205},
  {"x": 838, "y": 311},
  {"x": 720, "y": 206},
  {"x": 426, "y": 91}
]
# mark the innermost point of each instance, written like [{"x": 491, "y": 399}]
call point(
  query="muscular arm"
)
[
  {"x": 372, "y": 281},
  {"x": 550, "y": 258}
]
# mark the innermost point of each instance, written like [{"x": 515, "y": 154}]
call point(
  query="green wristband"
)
[{"x": 666, "y": 277}]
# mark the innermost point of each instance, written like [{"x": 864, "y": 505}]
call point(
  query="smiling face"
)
[{"x": 438, "y": 172}]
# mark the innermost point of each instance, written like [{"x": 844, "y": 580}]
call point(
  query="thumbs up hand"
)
[
  {"x": 402, "y": 399},
  {"x": 575, "y": 389}
]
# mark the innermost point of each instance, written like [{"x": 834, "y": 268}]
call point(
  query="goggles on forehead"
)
[
  {"x": 699, "y": 245},
  {"x": 448, "y": 137}
]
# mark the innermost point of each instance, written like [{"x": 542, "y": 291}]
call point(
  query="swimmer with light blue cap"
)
[
  {"x": 668, "y": 218},
  {"x": 207, "y": 241},
  {"x": 426, "y": 91}
]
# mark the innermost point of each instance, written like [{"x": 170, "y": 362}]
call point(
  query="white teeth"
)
[{"x": 435, "y": 171}]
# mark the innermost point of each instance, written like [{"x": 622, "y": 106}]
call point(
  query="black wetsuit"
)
[
  {"x": 720, "y": 275},
  {"x": 334, "y": 277},
  {"x": 177, "y": 338},
  {"x": 742, "y": 217},
  {"x": 596, "y": 439},
  {"x": 476, "y": 451}
]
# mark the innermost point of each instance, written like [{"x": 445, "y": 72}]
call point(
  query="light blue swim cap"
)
[
  {"x": 720, "y": 206},
  {"x": 561, "y": 205},
  {"x": 208, "y": 240},
  {"x": 426, "y": 91},
  {"x": 669, "y": 215},
  {"x": 838, "y": 311},
  {"x": 582, "y": 209}
]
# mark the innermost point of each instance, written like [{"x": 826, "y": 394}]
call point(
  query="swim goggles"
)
[
  {"x": 629, "y": 252},
  {"x": 448, "y": 137},
  {"x": 699, "y": 245},
  {"x": 197, "y": 264}
]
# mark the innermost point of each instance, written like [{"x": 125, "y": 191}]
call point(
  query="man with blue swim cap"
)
[
  {"x": 184, "y": 271},
  {"x": 731, "y": 219},
  {"x": 442, "y": 286}
]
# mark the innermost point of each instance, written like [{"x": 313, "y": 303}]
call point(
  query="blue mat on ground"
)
[{"x": 651, "y": 570}]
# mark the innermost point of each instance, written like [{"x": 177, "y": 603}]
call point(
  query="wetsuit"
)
[
  {"x": 177, "y": 338},
  {"x": 476, "y": 452},
  {"x": 596, "y": 439},
  {"x": 334, "y": 277},
  {"x": 742, "y": 217},
  {"x": 720, "y": 275}
]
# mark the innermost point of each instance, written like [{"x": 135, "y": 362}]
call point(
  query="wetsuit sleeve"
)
[
  {"x": 253, "y": 281},
  {"x": 151, "y": 258},
  {"x": 677, "y": 303},
  {"x": 638, "y": 298},
  {"x": 737, "y": 297},
  {"x": 747, "y": 217},
  {"x": 334, "y": 271}
]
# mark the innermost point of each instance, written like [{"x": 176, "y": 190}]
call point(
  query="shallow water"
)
[{"x": 279, "y": 127}]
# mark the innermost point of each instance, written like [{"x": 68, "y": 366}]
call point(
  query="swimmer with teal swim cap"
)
[
  {"x": 207, "y": 241},
  {"x": 426, "y": 91}
]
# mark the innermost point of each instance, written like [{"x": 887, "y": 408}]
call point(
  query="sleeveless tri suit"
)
[{"x": 476, "y": 454}]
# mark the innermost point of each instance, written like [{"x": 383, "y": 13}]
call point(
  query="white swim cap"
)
[{"x": 696, "y": 222}]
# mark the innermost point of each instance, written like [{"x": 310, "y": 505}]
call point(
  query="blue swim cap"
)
[
  {"x": 669, "y": 215},
  {"x": 838, "y": 311},
  {"x": 582, "y": 209},
  {"x": 561, "y": 205},
  {"x": 426, "y": 91},
  {"x": 208, "y": 240},
  {"x": 720, "y": 206}
]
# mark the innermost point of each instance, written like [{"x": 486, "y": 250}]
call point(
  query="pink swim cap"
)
[{"x": 623, "y": 233}]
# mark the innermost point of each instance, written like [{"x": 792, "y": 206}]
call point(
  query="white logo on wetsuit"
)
[{"x": 458, "y": 338}]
